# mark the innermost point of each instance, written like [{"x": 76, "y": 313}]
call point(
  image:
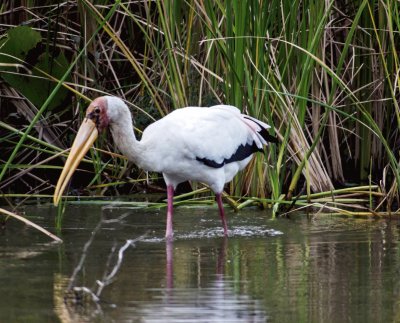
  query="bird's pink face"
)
[
  {"x": 95, "y": 121},
  {"x": 97, "y": 112}
]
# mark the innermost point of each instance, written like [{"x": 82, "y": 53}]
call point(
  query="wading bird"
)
[{"x": 208, "y": 145}]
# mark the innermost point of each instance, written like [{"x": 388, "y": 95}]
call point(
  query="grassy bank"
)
[{"x": 323, "y": 73}]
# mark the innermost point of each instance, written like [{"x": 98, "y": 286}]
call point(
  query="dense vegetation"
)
[{"x": 325, "y": 74}]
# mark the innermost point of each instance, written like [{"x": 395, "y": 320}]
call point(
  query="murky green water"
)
[{"x": 323, "y": 269}]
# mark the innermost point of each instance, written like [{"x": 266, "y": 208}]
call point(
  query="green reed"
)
[{"x": 323, "y": 74}]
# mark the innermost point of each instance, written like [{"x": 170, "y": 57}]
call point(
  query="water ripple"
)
[{"x": 240, "y": 231}]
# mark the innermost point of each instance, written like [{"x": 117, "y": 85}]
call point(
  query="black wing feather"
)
[{"x": 241, "y": 153}]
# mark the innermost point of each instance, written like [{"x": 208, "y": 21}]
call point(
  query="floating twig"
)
[{"x": 26, "y": 221}]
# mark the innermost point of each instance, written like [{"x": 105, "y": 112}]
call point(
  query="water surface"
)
[{"x": 304, "y": 269}]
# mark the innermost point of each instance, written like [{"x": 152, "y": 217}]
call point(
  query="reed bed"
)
[{"x": 324, "y": 73}]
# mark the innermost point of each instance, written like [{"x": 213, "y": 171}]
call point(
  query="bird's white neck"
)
[{"x": 125, "y": 139}]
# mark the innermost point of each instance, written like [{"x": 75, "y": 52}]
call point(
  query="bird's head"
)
[
  {"x": 97, "y": 112},
  {"x": 106, "y": 110},
  {"x": 102, "y": 112}
]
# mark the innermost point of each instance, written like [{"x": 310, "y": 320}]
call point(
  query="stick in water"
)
[{"x": 38, "y": 227}]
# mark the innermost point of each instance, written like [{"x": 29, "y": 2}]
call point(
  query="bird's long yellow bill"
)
[{"x": 84, "y": 139}]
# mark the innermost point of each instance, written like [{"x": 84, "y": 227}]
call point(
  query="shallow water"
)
[{"x": 303, "y": 269}]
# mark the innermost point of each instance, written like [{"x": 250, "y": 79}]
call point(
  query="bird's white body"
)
[
  {"x": 209, "y": 145},
  {"x": 176, "y": 144}
]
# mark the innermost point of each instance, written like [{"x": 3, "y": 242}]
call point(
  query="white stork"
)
[{"x": 209, "y": 145}]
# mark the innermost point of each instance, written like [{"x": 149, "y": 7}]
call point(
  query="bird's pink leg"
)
[
  {"x": 170, "y": 208},
  {"x": 169, "y": 249},
  {"x": 218, "y": 197}
]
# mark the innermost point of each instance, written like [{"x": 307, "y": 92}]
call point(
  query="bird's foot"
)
[{"x": 169, "y": 236}]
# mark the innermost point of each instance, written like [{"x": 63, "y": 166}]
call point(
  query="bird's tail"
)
[{"x": 261, "y": 135}]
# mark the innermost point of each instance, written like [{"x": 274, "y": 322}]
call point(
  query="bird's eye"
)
[{"x": 96, "y": 110}]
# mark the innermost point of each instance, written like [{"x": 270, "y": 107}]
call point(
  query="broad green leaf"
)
[{"x": 24, "y": 46}]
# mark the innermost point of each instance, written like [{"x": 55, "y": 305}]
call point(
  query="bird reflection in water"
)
[{"x": 215, "y": 302}]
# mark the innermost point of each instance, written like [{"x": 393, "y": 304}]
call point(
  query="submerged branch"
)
[{"x": 108, "y": 278}]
